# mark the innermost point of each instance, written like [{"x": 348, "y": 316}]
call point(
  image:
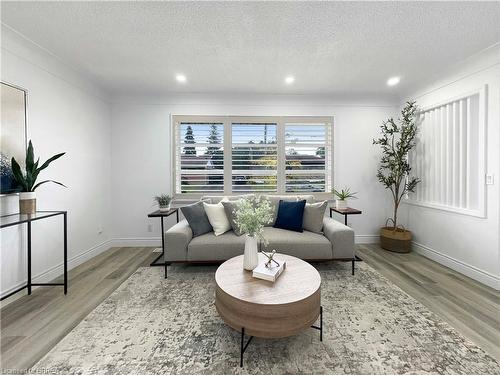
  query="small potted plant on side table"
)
[
  {"x": 342, "y": 197},
  {"x": 163, "y": 201}
]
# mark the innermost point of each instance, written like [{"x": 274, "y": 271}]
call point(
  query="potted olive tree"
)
[
  {"x": 27, "y": 180},
  {"x": 396, "y": 141}
]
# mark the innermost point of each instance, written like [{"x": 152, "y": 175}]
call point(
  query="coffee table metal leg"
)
[
  {"x": 320, "y": 328},
  {"x": 243, "y": 346}
]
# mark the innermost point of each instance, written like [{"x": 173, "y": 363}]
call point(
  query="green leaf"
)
[
  {"x": 30, "y": 158},
  {"x": 50, "y": 160},
  {"x": 43, "y": 182},
  {"x": 18, "y": 174}
]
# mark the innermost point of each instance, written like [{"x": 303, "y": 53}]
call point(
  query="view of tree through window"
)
[
  {"x": 202, "y": 157},
  {"x": 259, "y": 160},
  {"x": 254, "y": 157}
]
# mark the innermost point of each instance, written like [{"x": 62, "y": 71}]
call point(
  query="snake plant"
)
[{"x": 27, "y": 180}]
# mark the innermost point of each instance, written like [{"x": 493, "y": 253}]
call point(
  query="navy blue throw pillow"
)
[{"x": 290, "y": 215}]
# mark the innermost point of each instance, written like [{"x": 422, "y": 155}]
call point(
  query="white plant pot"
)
[
  {"x": 250, "y": 257},
  {"x": 341, "y": 204},
  {"x": 164, "y": 208}
]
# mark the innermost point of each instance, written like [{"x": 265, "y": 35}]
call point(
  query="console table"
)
[
  {"x": 17, "y": 219},
  {"x": 161, "y": 215}
]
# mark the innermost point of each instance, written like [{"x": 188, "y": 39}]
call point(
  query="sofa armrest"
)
[
  {"x": 341, "y": 238},
  {"x": 177, "y": 239}
]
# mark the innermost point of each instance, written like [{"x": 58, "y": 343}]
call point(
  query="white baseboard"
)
[
  {"x": 366, "y": 238},
  {"x": 58, "y": 269},
  {"x": 136, "y": 242},
  {"x": 475, "y": 273}
]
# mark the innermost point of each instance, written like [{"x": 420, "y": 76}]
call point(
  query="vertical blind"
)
[
  {"x": 449, "y": 156},
  {"x": 228, "y": 154}
]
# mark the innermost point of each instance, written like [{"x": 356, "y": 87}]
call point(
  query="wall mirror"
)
[{"x": 13, "y": 137}]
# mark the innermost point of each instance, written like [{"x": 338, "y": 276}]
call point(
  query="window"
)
[
  {"x": 449, "y": 156},
  {"x": 200, "y": 162},
  {"x": 234, "y": 155},
  {"x": 254, "y": 157}
]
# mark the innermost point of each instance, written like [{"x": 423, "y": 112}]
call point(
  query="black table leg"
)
[
  {"x": 320, "y": 328},
  {"x": 65, "y": 253},
  {"x": 345, "y": 220},
  {"x": 163, "y": 246},
  {"x": 243, "y": 346},
  {"x": 29, "y": 258}
]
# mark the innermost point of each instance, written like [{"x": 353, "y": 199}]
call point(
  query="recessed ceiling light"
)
[
  {"x": 289, "y": 80},
  {"x": 393, "y": 81},
  {"x": 180, "y": 78}
]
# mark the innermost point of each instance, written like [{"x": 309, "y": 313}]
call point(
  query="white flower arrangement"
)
[{"x": 252, "y": 214}]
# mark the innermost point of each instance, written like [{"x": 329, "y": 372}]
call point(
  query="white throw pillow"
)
[{"x": 217, "y": 217}]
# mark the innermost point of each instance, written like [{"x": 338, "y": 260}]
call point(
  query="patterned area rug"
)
[{"x": 155, "y": 326}]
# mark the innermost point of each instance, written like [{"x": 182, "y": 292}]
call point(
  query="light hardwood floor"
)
[
  {"x": 32, "y": 325},
  {"x": 472, "y": 308}
]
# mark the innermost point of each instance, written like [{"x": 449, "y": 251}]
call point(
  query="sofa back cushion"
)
[
  {"x": 290, "y": 215},
  {"x": 313, "y": 216},
  {"x": 197, "y": 218},
  {"x": 217, "y": 198}
]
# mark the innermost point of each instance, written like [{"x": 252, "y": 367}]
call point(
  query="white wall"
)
[
  {"x": 65, "y": 113},
  {"x": 467, "y": 244},
  {"x": 141, "y": 149}
]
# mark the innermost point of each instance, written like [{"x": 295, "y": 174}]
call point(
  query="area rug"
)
[{"x": 150, "y": 325}]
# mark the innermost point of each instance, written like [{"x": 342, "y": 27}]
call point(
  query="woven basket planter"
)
[{"x": 396, "y": 240}]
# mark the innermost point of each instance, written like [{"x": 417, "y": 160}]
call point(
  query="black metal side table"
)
[
  {"x": 161, "y": 215},
  {"x": 17, "y": 219},
  {"x": 346, "y": 212}
]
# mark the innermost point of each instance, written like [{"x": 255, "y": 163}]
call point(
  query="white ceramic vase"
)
[
  {"x": 250, "y": 257},
  {"x": 341, "y": 204},
  {"x": 164, "y": 208}
]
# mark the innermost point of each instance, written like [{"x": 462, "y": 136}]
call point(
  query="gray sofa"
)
[{"x": 336, "y": 242}]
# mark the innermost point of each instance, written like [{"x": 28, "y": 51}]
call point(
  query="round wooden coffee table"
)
[{"x": 265, "y": 309}]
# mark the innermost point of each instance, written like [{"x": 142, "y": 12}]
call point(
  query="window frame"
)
[
  {"x": 481, "y": 152},
  {"x": 227, "y": 121}
]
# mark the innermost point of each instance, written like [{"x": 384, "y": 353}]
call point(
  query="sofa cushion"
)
[
  {"x": 230, "y": 208},
  {"x": 275, "y": 201},
  {"x": 313, "y": 216},
  {"x": 217, "y": 217},
  {"x": 197, "y": 218},
  {"x": 305, "y": 245},
  {"x": 211, "y": 247},
  {"x": 290, "y": 215}
]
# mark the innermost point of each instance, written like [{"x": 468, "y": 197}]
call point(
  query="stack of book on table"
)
[{"x": 269, "y": 273}]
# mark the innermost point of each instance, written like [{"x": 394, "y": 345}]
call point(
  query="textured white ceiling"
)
[{"x": 249, "y": 47}]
